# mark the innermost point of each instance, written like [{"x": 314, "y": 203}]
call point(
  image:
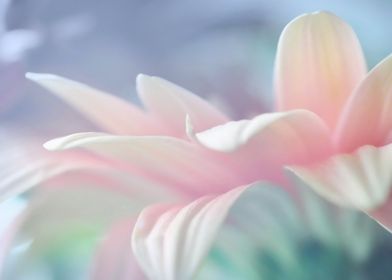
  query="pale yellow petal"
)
[{"x": 319, "y": 62}]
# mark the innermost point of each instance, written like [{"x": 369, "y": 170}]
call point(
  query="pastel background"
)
[{"x": 221, "y": 50}]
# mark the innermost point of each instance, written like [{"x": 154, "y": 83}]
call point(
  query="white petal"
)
[{"x": 362, "y": 180}]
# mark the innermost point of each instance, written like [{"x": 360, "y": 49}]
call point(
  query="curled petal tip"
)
[
  {"x": 70, "y": 141},
  {"x": 190, "y": 131},
  {"x": 140, "y": 78},
  {"x": 144, "y": 80},
  {"x": 56, "y": 144},
  {"x": 51, "y": 145},
  {"x": 33, "y": 76},
  {"x": 39, "y": 76}
]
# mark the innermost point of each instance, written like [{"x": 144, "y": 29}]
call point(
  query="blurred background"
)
[{"x": 222, "y": 50}]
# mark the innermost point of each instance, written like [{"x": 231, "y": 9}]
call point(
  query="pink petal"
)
[
  {"x": 114, "y": 258},
  {"x": 269, "y": 141},
  {"x": 167, "y": 160},
  {"x": 171, "y": 103},
  {"x": 319, "y": 62},
  {"x": 171, "y": 242},
  {"x": 366, "y": 119},
  {"x": 362, "y": 180},
  {"x": 107, "y": 111}
]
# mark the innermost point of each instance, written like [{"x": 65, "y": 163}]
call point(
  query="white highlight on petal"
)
[{"x": 234, "y": 135}]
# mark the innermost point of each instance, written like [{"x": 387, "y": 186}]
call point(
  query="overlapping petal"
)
[
  {"x": 21, "y": 174},
  {"x": 77, "y": 208},
  {"x": 234, "y": 135},
  {"x": 274, "y": 138},
  {"x": 224, "y": 236},
  {"x": 362, "y": 180},
  {"x": 107, "y": 111},
  {"x": 366, "y": 119},
  {"x": 168, "y": 160},
  {"x": 170, "y": 104},
  {"x": 170, "y": 242},
  {"x": 319, "y": 62}
]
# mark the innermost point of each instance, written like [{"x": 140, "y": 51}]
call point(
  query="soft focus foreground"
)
[{"x": 78, "y": 220}]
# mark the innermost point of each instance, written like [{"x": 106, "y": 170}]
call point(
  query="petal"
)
[
  {"x": 228, "y": 234},
  {"x": 10, "y": 220},
  {"x": 24, "y": 169},
  {"x": 171, "y": 103},
  {"x": 170, "y": 243},
  {"x": 275, "y": 138},
  {"x": 107, "y": 111},
  {"x": 362, "y": 180},
  {"x": 21, "y": 175},
  {"x": 166, "y": 160},
  {"x": 366, "y": 118},
  {"x": 114, "y": 258},
  {"x": 66, "y": 222},
  {"x": 85, "y": 197},
  {"x": 319, "y": 62},
  {"x": 383, "y": 215},
  {"x": 236, "y": 134},
  {"x": 269, "y": 232}
]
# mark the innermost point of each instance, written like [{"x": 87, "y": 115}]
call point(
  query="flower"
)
[
  {"x": 331, "y": 80},
  {"x": 188, "y": 149},
  {"x": 319, "y": 68}
]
